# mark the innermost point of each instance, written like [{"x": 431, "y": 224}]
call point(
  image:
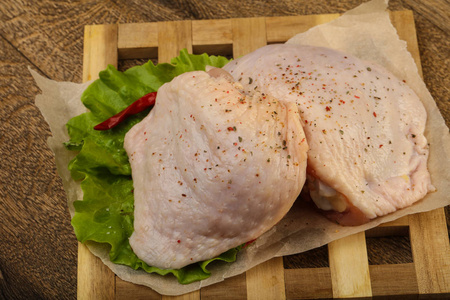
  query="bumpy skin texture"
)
[
  {"x": 212, "y": 169},
  {"x": 368, "y": 154}
]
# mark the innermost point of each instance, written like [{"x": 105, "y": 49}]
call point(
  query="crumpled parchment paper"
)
[{"x": 365, "y": 32}]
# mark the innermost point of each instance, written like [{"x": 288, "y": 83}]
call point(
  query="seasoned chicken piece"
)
[
  {"x": 365, "y": 128},
  {"x": 212, "y": 169}
]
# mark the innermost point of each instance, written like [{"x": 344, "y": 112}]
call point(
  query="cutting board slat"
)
[
  {"x": 431, "y": 251},
  {"x": 349, "y": 267},
  {"x": 95, "y": 280},
  {"x": 430, "y": 272},
  {"x": 266, "y": 281}
]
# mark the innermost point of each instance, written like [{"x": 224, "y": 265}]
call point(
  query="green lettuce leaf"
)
[{"x": 105, "y": 215}]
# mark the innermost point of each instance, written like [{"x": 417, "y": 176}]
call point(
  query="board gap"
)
[
  {"x": 125, "y": 64},
  {"x": 132, "y": 53},
  {"x": 314, "y": 258},
  {"x": 395, "y": 297},
  {"x": 396, "y": 249},
  {"x": 383, "y": 231},
  {"x": 276, "y": 42},
  {"x": 128, "y": 61},
  {"x": 222, "y": 49}
]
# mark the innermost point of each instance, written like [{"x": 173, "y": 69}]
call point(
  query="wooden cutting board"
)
[{"x": 349, "y": 274}]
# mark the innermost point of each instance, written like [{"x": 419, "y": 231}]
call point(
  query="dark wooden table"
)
[{"x": 38, "y": 249}]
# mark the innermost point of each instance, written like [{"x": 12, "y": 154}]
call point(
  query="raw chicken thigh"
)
[
  {"x": 212, "y": 169},
  {"x": 365, "y": 128}
]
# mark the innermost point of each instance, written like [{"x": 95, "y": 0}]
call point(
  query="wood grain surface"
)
[
  {"x": 38, "y": 250},
  {"x": 95, "y": 279}
]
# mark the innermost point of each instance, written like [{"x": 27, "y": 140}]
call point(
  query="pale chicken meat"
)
[
  {"x": 365, "y": 128},
  {"x": 212, "y": 168}
]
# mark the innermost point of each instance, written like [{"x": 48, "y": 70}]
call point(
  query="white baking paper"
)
[{"x": 365, "y": 32}]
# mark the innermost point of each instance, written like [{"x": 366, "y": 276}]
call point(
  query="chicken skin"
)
[
  {"x": 212, "y": 168},
  {"x": 365, "y": 128}
]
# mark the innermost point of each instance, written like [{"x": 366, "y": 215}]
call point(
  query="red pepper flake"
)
[
  {"x": 327, "y": 108},
  {"x": 179, "y": 240},
  {"x": 231, "y": 128},
  {"x": 375, "y": 114},
  {"x": 136, "y": 107},
  {"x": 357, "y": 97},
  {"x": 381, "y": 146}
]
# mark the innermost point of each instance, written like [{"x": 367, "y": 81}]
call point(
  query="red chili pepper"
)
[
  {"x": 136, "y": 107},
  {"x": 248, "y": 243}
]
